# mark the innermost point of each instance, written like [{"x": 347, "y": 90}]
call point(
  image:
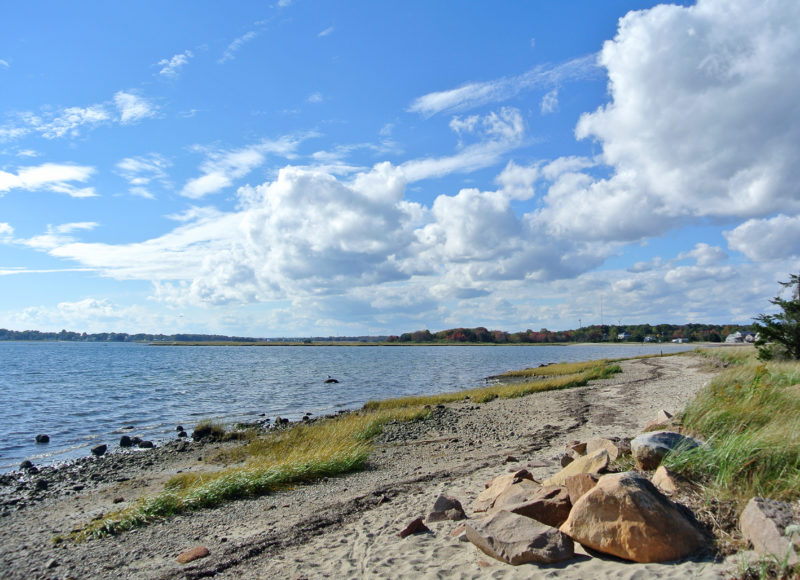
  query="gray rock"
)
[
  {"x": 125, "y": 441},
  {"x": 649, "y": 449},
  {"x": 99, "y": 450},
  {"x": 515, "y": 539},
  {"x": 146, "y": 445},
  {"x": 43, "y": 438}
]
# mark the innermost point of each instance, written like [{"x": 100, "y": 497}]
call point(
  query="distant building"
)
[
  {"x": 680, "y": 340},
  {"x": 623, "y": 336}
]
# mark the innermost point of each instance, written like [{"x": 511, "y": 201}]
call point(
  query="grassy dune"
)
[
  {"x": 308, "y": 451},
  {"x": 750, "y": 416}
]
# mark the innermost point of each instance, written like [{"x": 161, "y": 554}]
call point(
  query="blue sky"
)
[{"x": 315, "y": 168}]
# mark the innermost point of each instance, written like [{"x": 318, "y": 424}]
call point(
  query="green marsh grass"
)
[
  {"x": 305, "y": 452},
  {"x": 558, "y": 376},
  {"x": 750, "y": 416}
]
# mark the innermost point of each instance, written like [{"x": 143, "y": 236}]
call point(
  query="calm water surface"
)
[{"x": 82, "y": 394}]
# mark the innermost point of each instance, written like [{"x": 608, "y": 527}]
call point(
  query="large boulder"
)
[
  {"x": 591, "y": 463},
  {"x": 496, "y": 486},
  {"x": 579, "y": 484},
  {"x": 515, "y": 539},
  {"x": 547, "y": 504},
  {"x": 649, "y": 449},
  {"x": 626, "y": 516},
  {"x": 764, "y": 524}
]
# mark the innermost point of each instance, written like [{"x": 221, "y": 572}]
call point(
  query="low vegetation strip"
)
[
  {"x": 750, "y": 417},
  {"x": 558, "y": 376},
  {"x": 308, "y": 451}
]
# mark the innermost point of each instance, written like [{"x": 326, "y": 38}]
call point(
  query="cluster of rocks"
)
[
  {"x": 31, "y": 484},
  {"x": 629, "y": 515}
]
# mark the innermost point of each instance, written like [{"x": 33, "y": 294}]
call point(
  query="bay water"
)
[{"x": 83, "y": 394}]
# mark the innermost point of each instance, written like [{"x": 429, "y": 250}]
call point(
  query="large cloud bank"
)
[{"x": 702, "y": 123}]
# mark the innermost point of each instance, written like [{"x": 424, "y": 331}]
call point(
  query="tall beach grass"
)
[{"x": 750, "y": 416}]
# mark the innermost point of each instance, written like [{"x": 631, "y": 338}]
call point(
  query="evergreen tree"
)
[{"x": 779, "y": 334}]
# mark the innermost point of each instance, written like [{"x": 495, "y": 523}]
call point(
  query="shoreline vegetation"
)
[{"x": 330, "y": 446}]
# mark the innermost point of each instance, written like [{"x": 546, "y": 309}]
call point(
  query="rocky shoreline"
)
[{"x": 343, "y": 526}]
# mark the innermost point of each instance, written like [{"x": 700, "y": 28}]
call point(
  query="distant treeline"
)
[
  {"x": 66, "y": 335},
  {"x": 69, "y": 336},
  {"x": 597, "y": 333}
]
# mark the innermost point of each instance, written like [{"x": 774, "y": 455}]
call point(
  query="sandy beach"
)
[{"x": 346, "y": 527}]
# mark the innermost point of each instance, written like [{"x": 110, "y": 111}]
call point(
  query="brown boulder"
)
[
  {"x": 579, "y": 484},
  {"x": 592, "y": 463},
  {"x": 764, "y": 524},
  {"x": 615, "y": 448},
  {"x": 666, "y": 480},
  {"x": 547, "y": 504},
  {"x": 515, "y": 539},
  {"x": 626, "y": 516},
  {"x": 496, "y": 486}
]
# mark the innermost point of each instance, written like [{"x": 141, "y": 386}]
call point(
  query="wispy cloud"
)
[
  {"x": 133, "y": 108},
  {"x": 170, "y": 67},
  {"x": 550, "y": 102},
  {"x": 49, "y": 177},
  {"x": 499, "y": 132},
  {"x": 223, "y": 167},
  {"x": 233, "y": 47},
  {"x": 56, "y": 236},
  {"x": 141, "y": 171},
  {"x": 70, "y": 121},
  {"x": 474, "y": 95},
  {"x": 326, "y": 32},
  {"x": 16, "y": 271},
  {"x": 314, "y": 98},
  {"x": 4, "y": 64}
]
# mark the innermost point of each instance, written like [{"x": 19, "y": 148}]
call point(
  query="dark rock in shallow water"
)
[
  {"x": 125, "y": 441},
  {"x": 42, "y": 438},
  {"x": 182, "y": 434},
  {"x": 146, "y": 445},
  {"x": 26, "y": 465},
  {"x": 179, "y": 428},
  {"x": 99, "y": 450}
]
